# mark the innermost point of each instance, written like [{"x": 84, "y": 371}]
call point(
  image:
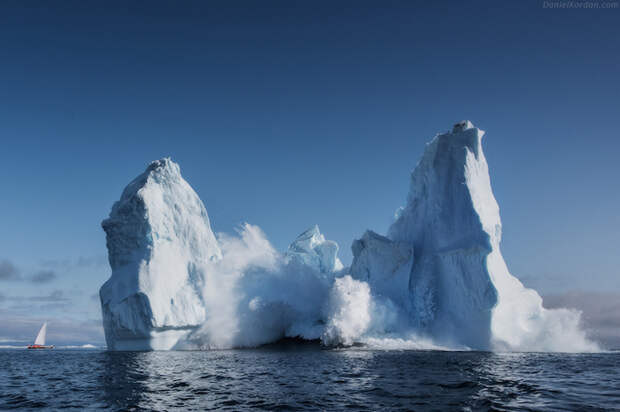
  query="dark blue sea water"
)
[{"x": 309, "y": 378}]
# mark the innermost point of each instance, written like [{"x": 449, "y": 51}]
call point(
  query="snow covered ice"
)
[
  {"x": 437, "y": 279},
  {"x": 310, "y": 248},
  {"x": 159, "y": 242}
]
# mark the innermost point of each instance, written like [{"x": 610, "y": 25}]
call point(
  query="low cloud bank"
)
[{"x": 8, "y": 271}]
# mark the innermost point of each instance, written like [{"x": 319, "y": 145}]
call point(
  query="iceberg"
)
[
  {"x": 160, "y": 243},
  {"x": 441, "y": 260},
  {"x": 174, "y": 285},
  {"x": 436, "y": 279}
]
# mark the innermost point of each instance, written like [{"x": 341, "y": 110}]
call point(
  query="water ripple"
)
[{"x": 307, "y": 380}]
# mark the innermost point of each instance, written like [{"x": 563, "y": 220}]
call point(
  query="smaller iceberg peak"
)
[
  {"x": 307, "y": 241},
  {"x": 310, "y": 237},
  {"x": 462, "y": 126},
  {"x": 311, "y": 248},
  {"x": 165, "y": 167}
]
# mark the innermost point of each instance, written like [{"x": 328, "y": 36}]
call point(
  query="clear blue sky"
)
[{"x": 286, "y": 114}]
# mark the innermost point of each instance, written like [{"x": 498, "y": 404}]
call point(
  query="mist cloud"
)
[{"x": 43, "y": 276}]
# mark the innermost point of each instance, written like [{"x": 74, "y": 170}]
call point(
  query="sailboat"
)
[{"x": 39, "y": 342}]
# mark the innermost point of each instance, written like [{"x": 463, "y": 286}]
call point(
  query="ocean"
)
[{"x": 308, "y": 377}]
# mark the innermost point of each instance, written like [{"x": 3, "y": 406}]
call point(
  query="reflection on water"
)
[
  {"x": 307, "y": 380},
  {"x": 123, "y": 380}
]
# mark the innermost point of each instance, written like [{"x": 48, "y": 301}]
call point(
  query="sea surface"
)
[{"x": 308, "y": 378}]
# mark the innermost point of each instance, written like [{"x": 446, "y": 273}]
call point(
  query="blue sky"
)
[{"x": 286, "y": 114}]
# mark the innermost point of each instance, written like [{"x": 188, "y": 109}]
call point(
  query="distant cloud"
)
[
  {"x": 89, "y": 261},
  {"x": 543, "y": 283},
  {"x": 43, "y": 276},
  {"x": 78, "y": 262},
  {"x": 8, "y": 271},
  {"x": 601, "y": 313},
  {"x": 55, "y": 296}
]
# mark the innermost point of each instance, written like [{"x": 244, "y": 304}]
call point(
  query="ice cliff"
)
[
  {"x": 436, "y": 280},
  {"x": 159, "y": 243}
]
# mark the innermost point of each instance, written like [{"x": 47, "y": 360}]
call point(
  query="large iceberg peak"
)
[
  {"x": 450, "y": 201},
  {"x": 159, "y": 241},
  {"x": 451, "y": 221},
  {"x": 312, "y": 249},
  {"x": 458, "y": 288}
]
